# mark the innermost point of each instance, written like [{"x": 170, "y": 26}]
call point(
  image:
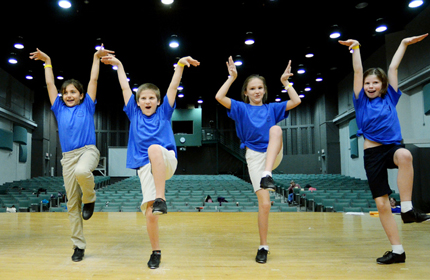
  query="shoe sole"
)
[
  {"x": 390, "y": 263},
  {"x": 158, "y": 213},
  {"x": 269, "y": 189}
]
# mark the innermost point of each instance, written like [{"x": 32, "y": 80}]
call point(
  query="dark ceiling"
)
[{"x": 210, "y": 31}]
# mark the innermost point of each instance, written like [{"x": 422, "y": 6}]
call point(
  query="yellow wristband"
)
[
  {"x": 180, "y": 64},
  {"x": 356, "y": 47},
  {"x": 289, "y": 85},
  {"x": 47, "y": 66}
]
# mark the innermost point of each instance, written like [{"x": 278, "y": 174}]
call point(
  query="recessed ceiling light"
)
[
  {"x": 361, "y": 5},
  {"x": 64, "y": 4},
  {"x": 415, "y": 3}
]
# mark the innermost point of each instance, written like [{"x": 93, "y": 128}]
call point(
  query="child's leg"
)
[
  {"x": 274, "y": 147},
  {"x": 158, "y": 170},
  {"x": 88, "y": 161},
  {"x": 263, "y": 215},
  {"x": 387, "y": 219},
  {"x": 74, "y": 202},
  {"x": 152, "y": 226},
  {"x": 405, "y": 177}
]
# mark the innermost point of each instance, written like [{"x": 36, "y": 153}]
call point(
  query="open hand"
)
[
  {"x": 414, "y": 39},
  {"x": 39, "y": 55},
  {"x": 188, "y": 61},
  {"x": 103, "y": 52},
  {"x": 231, "y": 67},
  {"x": 349, "y": 43},
  {"x": 287, "y": 74}
]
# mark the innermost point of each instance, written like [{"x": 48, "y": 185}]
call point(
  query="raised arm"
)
[
  {"x": 95, "y": 69},
  {"x": 221, "y": 95},
  {"x": 49, "y": 74},
  {"x": 354, "y": 47},
  {"x": 397, "y": 58},
  {"x": 122, "y": 76},
  {"x": 292, "y": 93},
  {"x": 177, "y": 76}
]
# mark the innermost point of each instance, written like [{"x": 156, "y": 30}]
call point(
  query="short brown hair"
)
[
  {"x": 76, "y": 84},
  {"x": 245, "y": 85},
  {"x": 148, "y": 86},
  {"x": 380, "y": 74}
]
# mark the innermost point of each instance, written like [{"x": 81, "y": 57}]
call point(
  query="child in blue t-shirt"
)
[
  {"x": 258, "y": 133},
  {"x": 375, "y": 98},
  {"x": 74, "y": 112},
  {"x": 151, "y": 145}
]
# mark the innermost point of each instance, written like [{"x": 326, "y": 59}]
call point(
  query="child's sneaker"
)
[
  {"x": 154, "y": 260},
  {"x": 267, "y": 183},
  {"x": 159, "y": 207},
  {"x": 389, "y": 257},
  {"x": 261, "y": 256}
]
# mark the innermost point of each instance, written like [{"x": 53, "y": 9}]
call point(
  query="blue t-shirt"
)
[
  {"x": 377, "y": 118},
  {"x": 254, "y": 122},
  {"x": 146, "y": 131},
  {"x": 75, "y": 124}
]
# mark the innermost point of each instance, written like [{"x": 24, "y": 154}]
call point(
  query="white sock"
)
[
  {"x": 398, "y": 249},
  {"x": 266, "y": 247},
  {"x": 406, "y": 206},
  {"x": 265, "y": 173}
]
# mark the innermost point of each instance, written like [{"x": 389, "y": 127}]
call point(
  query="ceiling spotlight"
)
[
  {"x": 319, "y": 79},
  {"x": 308, "y": 89},
  {"x": 380, "y": 25},
  {"x": 167, "y": 2},
  {"x": 309, "y": 55},
  {"x": 135, "y": 87},
  {"x": 301, "y": 69},
  {"x": 415, "y": 3},
  {"x": 335, "y": 32},
  {"x": 249, "y": 39},
  {"x": 12, "y": 59},
  {"x": 98, "y": 43},
  {"x": 181, "y": 95},
  {"x": 238, "y": 60},
  {"x": 180, "y": 87},
  {"x": 60, "y": 78},
  {"x": 200, "y": 100},
  {"x": 301, "y": 95},
  {"x": 278, "y": 99},
  {"x": 29, "y": 75},
  {"x": 64, "y": 4},
  {"x": 174, "y": 43},
  {"x": 361, "y": 5}
]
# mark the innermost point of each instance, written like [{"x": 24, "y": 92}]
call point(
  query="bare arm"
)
[
  {"x": 95, "y": 69},
  {"x": 177, "y": 76},
  {"x": 49, "y": 74},
  {"x": 294, "y": 97},
  {"x": 122, "y": 76},
  {"x": 397, "y": 58},
  {"x": 354, "y": 47},
  {"x": 221, "y": 95}
]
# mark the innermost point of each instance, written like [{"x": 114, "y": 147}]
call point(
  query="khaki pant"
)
[
  {"x": 256, "y": 162},
  {"x": 78, "y": 166}
]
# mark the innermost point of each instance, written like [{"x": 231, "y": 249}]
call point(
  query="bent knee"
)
[
  {"x": 154, "y": 150},
  {"x": 402, "y": 156}
]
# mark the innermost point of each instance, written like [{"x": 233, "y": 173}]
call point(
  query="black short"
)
[{"x": 376, "y": 162}]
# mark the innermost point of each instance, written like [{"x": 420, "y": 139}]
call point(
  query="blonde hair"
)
[{"x": 148, "y": 86}]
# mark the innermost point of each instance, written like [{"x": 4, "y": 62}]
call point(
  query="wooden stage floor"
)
[{"x": 209, "y": 246}]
